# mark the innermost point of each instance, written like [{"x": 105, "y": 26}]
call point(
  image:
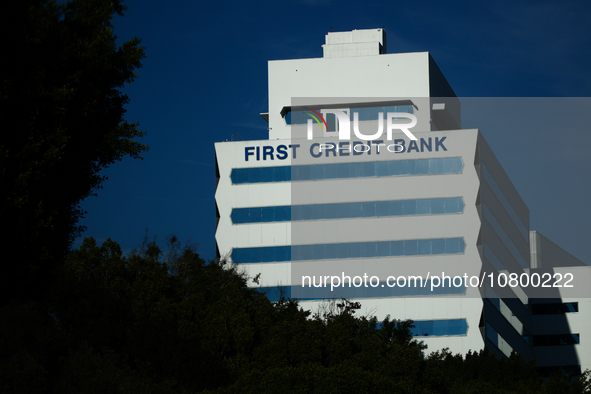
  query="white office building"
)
[{"x": 404, "y": 226}]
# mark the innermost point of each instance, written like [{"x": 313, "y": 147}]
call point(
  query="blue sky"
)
[{"x": 205, "y": 78}]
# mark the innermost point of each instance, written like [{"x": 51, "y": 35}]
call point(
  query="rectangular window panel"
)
[
  {"x": 266, "y": 174},
  {"x": 395, "y": 208},
  {"x": 306, "y": 212},
  {"x": 241, "y": 255},
  {"x": 317, "y": 211},
  {"x": 424, "y": 246},
  {"x": 370, "y": 249},
  {"x": 268, "y": 214},
  {"x": 382, "y": 208},
  {"x": 354, "y": 170},
  {"x": 343, "y": 251},
  {"x": 422, "y": 167},
  {"x": 297, "y": 213},
  {"x": 256, "y": 254},
  {"x": 354, "y": 210},
  {"x": 368, "y": 209},
  {"x": 453, "y": 205},
  {"x": 254, "y": 175},
  {"x": 330, "y": 172},
  {"x": 330, "y": 211},
  {"x": 355, "y": 250},
  {"x": 255, "y": 215},
  {"x": 281, "y": 174},
  {"x": 317, "y": 172},
  {"x": 342, "y": 170},
  {"x": 240, "y": 215},
  {"x": 268, "y": 255},
  {"x": 331, "y": 122},
  {"x": 383, "y": 249},
  {"x": 396, "y": 168},
  {"x": 438, "y": 246},
  {"x": 452, "y": 327},
  {"x": 368, "y": 169},
  {"x": 239, "y": 175},
  {"x": 295, "y": 173},
  {"x": 305, "y": 252},
  {"x": 409, "y": 207},
  {"x": 452, "y": 246},
  {"x": 554, "y": 308},
  {"x": 492, "y": 335},
  {"x": 423, "y": 207},
  {"x": 381, "y": 168},
  {"x": 346, "y": 210},
  {"x": 305, "y": 173},
  {"x": 437, "y": 206},
  {"x": 332, "y": 251},
  {"x": 409, "y": 167},
  {"x": 556, "y": 340},
  {"x": 282, "y": 253},
  {"x": 318, "y": 252},
  {"x": 396, "y": 248},
  {"x": 436, "y": 166},
  {"x": 411, "y": 247},
  {"x": 415, "y": 247},
  {"x": 448, "y": 165}
]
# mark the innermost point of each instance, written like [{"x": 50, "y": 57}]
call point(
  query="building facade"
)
[{"x": 405, "y": 222}]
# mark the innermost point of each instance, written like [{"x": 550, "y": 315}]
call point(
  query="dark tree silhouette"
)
[{"x": 62, "y": 111}]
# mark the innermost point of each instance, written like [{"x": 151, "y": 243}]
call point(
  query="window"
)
[
  {"x": 554, "y": 308},
  {"x": 312, "y": 172},
  {"x": 556, "y": 340},
  {"x": 439, "y": 328},
  {"x": 411, "y": 247},
  {"x": 348, "y": 210},
  {"x": 300, "y": 116}
]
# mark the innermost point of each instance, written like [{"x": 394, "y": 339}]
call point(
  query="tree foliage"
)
[
  {"x": 63, "y": 122},
  {"x": 139, "y": 324}
]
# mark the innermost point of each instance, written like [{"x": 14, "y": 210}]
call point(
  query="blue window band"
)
[
  {"x": 311, "y": 172},
  {"x": 365, "y": 113},
  {"x": 382, "y": 290},
  {"x": 439, "y": 328},
  {"x": 370, "y": 209},
  {"x": 414, "y": 247},
  {"x": 556, "y": 340}
]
